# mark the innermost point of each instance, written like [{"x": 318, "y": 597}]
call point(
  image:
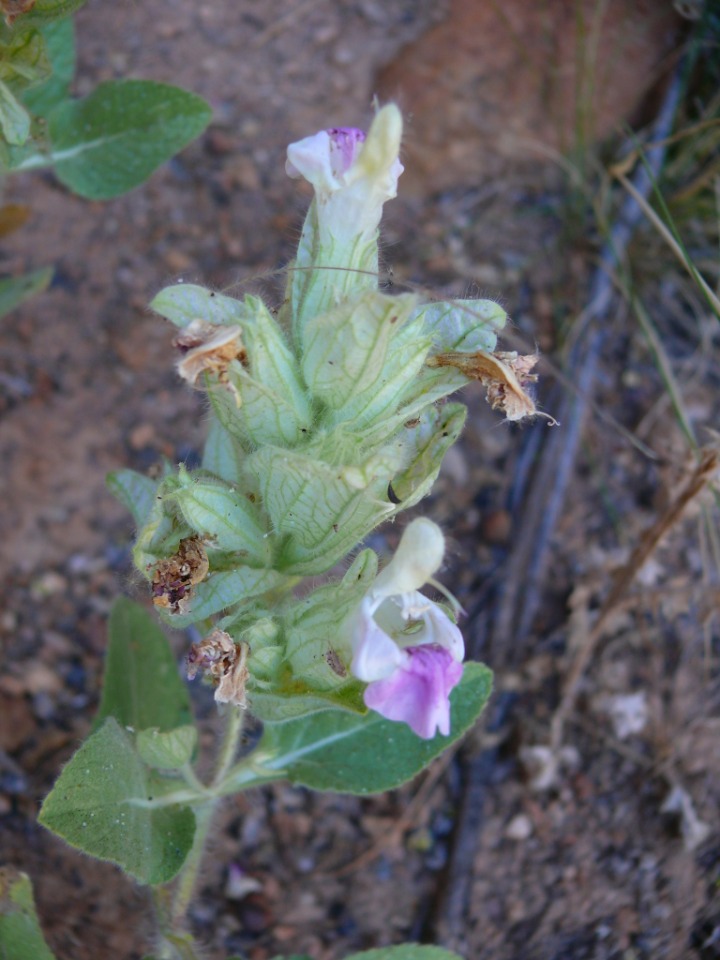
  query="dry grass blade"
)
[
  {"x": 623, "y": 579},
  {"x": 670, "y": 240}
]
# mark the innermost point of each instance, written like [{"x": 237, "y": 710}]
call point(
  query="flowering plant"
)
[{"x": 327, "y": 418}]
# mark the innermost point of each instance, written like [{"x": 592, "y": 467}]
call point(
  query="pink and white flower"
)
[
  {"x": 405, "y": 646},
  {"x": 352, "y": 175}
]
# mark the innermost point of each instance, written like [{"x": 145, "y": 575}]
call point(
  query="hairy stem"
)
[{"x": 204, "y": 814}]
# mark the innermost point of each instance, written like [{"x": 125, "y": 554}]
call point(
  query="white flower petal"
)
[
  {"x": 375, "y": 654},
  {"x": 444, "y": 632},
  {"x": 418, "y": 556},
  {"x": 311, "y": 158}
]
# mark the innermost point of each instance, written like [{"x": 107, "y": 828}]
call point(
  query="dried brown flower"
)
[
  {"x": 209, "y": 348},
  {"x": 174, "y": 577},
  {"x": 504, "y": 375},
  {"x": 12, "y": 9},
  {"x": 226, "y": 662}
]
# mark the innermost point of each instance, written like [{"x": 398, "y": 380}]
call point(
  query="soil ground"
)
[{"x": 589, "y": 867}]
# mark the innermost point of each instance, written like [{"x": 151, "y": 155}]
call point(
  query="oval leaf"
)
[
  {"x": 135, "y": 491},
  {"x": 142, "y": 687},
  {"x": 20, "y": 934},
  {"x": 169, "y": 750},
  {"x": 112, "y": 141},
  {"x": 347, "y": 753},
  {"x": 95, "y": 806},
  {"x": 60, "y": 45},
  {"x": 14, "y": 290},
  {"x": 14, "y": 118}
]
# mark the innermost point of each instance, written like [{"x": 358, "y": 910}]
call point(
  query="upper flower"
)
[
  {"x": 404, "y": 645},
  {"x": 352, "y": 175}
]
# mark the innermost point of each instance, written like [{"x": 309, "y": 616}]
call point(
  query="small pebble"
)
[
  {"x": 519, "y": 828},
  {"x": 142, "y": 436}
]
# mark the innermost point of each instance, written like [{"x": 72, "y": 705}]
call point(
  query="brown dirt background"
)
[{"x": 590, "y": 868}]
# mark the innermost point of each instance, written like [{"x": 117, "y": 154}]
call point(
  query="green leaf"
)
[
  {"x": 359, "y": 357},
  {"x": 222, "y": 454},
  {"x": 184, "y": 302},
  {"x": 312, "y": 624},
  {"x": 223, "y": 514},
  {"x": 15, "y": 290},
  {"x": 465, "y": 325},
  {"x": 135, "y": 491},
  {"x": 99, "y": 805},
  {"x": 142, "y": 687},
  {"x": 60, "y": 46},
  {"x": 325, "y": 510},
  {"x": 367, "y": 754},
  {"x": 437, "y": 430},
  {"x": 14, "y": 118},
  {"x": 24, "y": 60},
  {"x": 111, "y": 141},
  {"x": 20, "y": 934},
  {"x": 407, "y": 951},
  {"x": 223, "y": 591},
  {"x": 167, "y": 751},
  {"x": 295, "y": 956},
  {"x": 278, "y": 707}
]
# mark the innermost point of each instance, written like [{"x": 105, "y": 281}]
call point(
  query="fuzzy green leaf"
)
[
  {"x": 60, "y": 46},
  {"x": 464, "y": 325},
  {"x": 142, "y": 687},
  {"x": 359, "y": 357},
  {"x": 15, "y": 290},
  {"x": 24, "y": 60},
  {"x": 224, "y": 590},
  {"x": 135, "y": 491},
  {"x": 99, "y": 805},
  {"x": 224, "y": 515},
  {"x": 184, "y": 302},
  {"x": 366, "y": 754},
  {"x": 14, "y": 118},
  {"x": 222, "y": 454},
  {"x": 299, "y": 703},
  {"x": 325, "y": 510},
  {"x": 429, "y": 441},
  {"x": 111, "y": 141},
  {"x": 317, "y": 649},
  {"x": 169, "y": 750},
  {"x": 20, "y": 935}
]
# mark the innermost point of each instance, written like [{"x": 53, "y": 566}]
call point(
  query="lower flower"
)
[
  {"x": 405, "y": 647},
  {"x": 417, "y": 692}
]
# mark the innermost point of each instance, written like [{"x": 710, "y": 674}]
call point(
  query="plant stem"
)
[
  {"x": 204, "y": 814},
  {"x": 188, "y": 875},
  {"x": 229, "y": 745}
]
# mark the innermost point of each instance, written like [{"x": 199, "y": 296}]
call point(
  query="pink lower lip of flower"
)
[
  {"x": 345, "y": 145},
  {"x": 418, "y": 692}
]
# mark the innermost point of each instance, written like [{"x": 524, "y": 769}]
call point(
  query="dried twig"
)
[{"x": 624, "y": 577}]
